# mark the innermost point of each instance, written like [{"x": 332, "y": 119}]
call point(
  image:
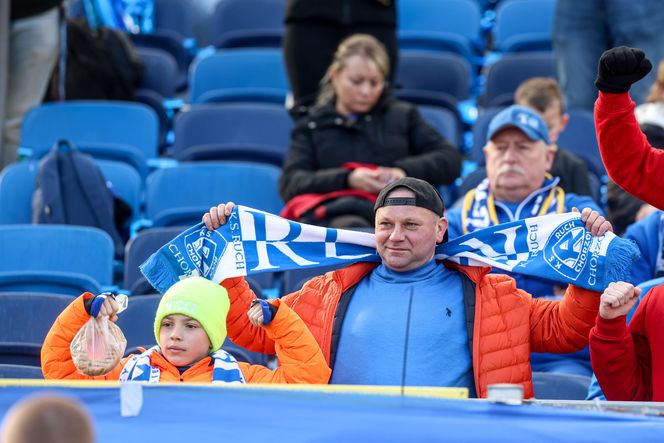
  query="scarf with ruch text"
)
[{"x": 253, "y": 241}]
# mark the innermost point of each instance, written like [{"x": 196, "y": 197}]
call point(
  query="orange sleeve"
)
[
  {"x": 56, "y": 359},
  {"x": 300, "y": 358},
  {"x": 239, "y": 328},
  {"x": 562, "y": 326}
]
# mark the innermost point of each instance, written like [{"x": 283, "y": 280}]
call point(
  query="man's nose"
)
[
  {"x": 397, "y": 233},
  {"x": 510, "y": 154}
]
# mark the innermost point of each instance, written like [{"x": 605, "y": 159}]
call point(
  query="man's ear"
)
[
  {"x": 441, "y": 229},
  {"x": 564, "y": 120}
]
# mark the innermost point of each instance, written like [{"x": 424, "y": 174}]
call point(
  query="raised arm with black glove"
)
[{"x": 619, "y": 68}]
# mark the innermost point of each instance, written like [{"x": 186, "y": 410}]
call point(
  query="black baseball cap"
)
[{"x": 426, "y": 196}]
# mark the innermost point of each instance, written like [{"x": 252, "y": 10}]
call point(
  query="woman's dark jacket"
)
[{"x": 392, "y": 134}]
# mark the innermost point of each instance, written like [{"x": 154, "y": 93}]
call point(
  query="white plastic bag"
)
[{"x": 98, "y": 346}]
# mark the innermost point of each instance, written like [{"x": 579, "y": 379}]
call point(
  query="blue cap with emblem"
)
[{"x": 522, "y": 118}]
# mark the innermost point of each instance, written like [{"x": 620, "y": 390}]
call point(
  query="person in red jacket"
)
[
  {"x": 412, "y": 320},
  {"x": 631, "y": 162},
  {"x": 190, "y": 327},
  {"x": 628, "y": 360}
]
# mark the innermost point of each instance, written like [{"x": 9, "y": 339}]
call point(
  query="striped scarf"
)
[
  {"x": 139, "y": 368},
  {"x": 254, "y": 241}
]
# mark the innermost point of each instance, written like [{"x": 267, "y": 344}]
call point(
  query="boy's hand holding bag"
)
[{"x": 99, "y": 345}]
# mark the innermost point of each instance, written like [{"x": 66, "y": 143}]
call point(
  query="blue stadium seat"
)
[
  {"x": 445, "y": 122},
  {"x": 26, "y": 319},
  {"x": 505, "y": 75},
  {"x": 441, "y": 25},
  {"x": 106, "y": 129},
  {"x": 434, "y": 72},
  {"x": 248, "y": 23},
  {"x": 173, "y": 44},
  {"x": 558, "y": 386},
  {"x": 522, "y": 25},
  {"x": 55, "y": 258},
  {"x": 480, "y": 129},
  {"x": 17, "y": 183},
  {"x": 256, "y": 132},
  {"x": 430, "y": 78},
  {"x": 245, "y": 75},
  {"x": 161, "y": 70},
  {"x": 580, "y": 138},
  {"x": 20, "y": 371},
  {"x": 147, "y": 242},
  {"x": 174, "y": 16},
  {"x": 648, "y": 285},
  {"x": 137, "y": 321},
  {"x": 179, "y": 196}
]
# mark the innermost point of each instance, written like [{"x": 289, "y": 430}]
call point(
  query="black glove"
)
[{"x": 619, "y": 67}]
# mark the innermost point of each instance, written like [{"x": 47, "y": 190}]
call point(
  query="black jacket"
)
[
  {"x": 573, "y": 173},
  {"x": 28, "y": 8},
  {"x": 392, "y": 134},
  {"x": 343, "y": 12}
]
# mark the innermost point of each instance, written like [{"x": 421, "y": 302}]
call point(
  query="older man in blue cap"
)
[{"x": 518, "y": 186}]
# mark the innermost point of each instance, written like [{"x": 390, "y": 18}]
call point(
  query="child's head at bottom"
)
[{"x": 191, "y": 320}]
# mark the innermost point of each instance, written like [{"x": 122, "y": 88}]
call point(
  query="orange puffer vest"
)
[{"x": 508, "y": 324}]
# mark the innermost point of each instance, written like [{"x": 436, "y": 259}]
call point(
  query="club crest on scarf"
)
[
  {"x": 205, "y": 249},
  {"x": 568, "y": 249}
]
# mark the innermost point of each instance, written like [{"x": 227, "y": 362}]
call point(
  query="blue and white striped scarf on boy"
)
[
  {"x": 254, "y": 241},
  {"x": 138, "y": 368}
]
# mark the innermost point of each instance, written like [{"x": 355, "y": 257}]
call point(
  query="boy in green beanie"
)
[{"x": 190, "y": 327}]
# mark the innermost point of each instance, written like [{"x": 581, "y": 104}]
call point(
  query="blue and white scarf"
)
[
  {"x": 138, "y": 368},
  {"x": 479, "y": 207},
  {"x": 254, "y": 241}
]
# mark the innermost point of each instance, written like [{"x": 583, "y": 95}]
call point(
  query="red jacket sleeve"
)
[
  {"x": 631, "y": 162},
  {"x": 621, "y": 356}
]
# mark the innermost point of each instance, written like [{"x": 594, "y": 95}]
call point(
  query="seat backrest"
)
[
  {"x": 444, "y": 121},
  {"x": 27, "y": 317},
  {"x": 192, "y": 188},
  {"x": 233, "y": 124},
  {"x": 137, "y": 321},
  {"x": 238, "y": 70},
  {"x": 522, "y": 25},
  {"x": 560, "y": 386},
  {"x": 460, "y": 17},
  {"x": 20, "y": 371},
  {"x": 248, "y": 23},
  {"x": 480, "y": 129},
  {"x": 161, "y": 69},
  {"x": 505, "y": 75},
  {"x": 174, "y": 15},
  {"x": 648, "y": 285},
  {"x": 57, "y": 248},
  {"x": 437, "y": 72},
  {"x": 17, "y": 183},
  {"x": 96, "y": 122},
  {"x": 140, "y": 248},
  {"x": 580, "y": 138}
]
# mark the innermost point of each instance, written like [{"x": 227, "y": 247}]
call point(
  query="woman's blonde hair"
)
[
  {"x": 363, "y": 45},
  {"x": 657, "y": 89}
]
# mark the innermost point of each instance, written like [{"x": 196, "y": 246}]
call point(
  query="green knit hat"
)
[{"x": 200, "y": 299}]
